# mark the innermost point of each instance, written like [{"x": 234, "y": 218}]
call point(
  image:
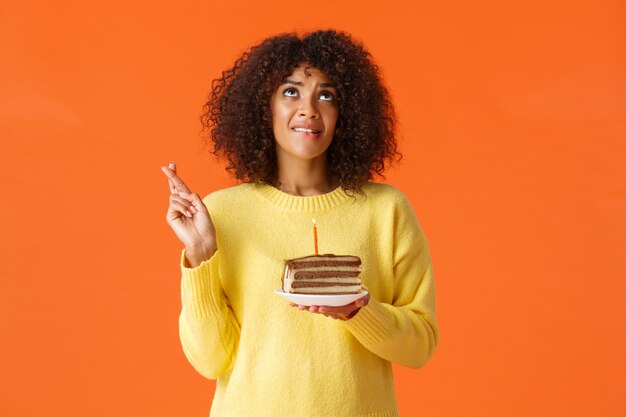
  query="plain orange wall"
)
[{"x": 512, "y": 122}]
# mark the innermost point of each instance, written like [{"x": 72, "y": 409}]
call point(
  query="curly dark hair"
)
[{"x": 239, "y": 118}]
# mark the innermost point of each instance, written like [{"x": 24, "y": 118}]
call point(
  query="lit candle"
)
[{"x": 315, "y": 236}]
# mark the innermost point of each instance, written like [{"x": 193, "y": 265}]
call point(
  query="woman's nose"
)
[{"x": 307, "y": 107}]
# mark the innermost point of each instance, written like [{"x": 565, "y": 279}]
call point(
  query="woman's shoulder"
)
[
  {"x": 384, "y": 191},
  {"x": 382, "y": 197}
]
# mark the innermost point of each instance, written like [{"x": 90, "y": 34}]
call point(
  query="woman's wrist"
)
[{"x": 199, "y": 253}]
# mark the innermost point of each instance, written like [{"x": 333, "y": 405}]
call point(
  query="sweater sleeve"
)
[
  {"x": 209, "y": 332},
  {"x": 404, "y": 331}
]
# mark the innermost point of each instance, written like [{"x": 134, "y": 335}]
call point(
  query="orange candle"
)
[{"x": 315, "y": 236}]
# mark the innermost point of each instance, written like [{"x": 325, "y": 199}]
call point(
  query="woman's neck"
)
[{"x": 304, "y": 177}]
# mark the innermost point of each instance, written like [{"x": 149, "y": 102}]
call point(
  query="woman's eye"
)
[{"x": 292, "y": 92}]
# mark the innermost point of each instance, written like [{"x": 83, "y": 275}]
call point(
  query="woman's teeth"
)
[{"x": 301, "y": 129}]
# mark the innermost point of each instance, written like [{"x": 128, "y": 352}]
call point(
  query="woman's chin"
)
[
  {"x": 304, "y": 152},
  {"x": 306, "y": 156}
]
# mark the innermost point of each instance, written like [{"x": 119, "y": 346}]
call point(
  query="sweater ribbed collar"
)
[{"x": 290, "y": 202}]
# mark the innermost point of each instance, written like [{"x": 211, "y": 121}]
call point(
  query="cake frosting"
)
[{"x": 323, "y": 274}]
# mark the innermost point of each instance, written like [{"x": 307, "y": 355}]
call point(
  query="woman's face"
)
[{"x": 305, "y": 100}]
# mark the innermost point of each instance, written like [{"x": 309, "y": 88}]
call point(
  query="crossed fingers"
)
[{"x": 176, "y": 184}]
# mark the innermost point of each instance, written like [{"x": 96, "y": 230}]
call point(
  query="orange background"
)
[{"x": 512, "y": 124}]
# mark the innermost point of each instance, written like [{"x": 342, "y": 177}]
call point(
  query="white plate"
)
[{"x": 333, "y": 300}]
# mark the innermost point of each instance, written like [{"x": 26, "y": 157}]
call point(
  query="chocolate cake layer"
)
[
  {"x": 296, "y": 264},
  {"x": 351, "y": 280},
  {"x": 324, "y": 260},
  {"x": 312, "y": 284},
  {"x": 331, "y": 293},
  {"x": 326, "y": 274}
]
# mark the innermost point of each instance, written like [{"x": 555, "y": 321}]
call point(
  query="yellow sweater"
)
[{"x": 271, "y": 359}]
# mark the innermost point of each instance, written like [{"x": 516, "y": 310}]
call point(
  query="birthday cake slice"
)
[{"x": 323, "y": 274}]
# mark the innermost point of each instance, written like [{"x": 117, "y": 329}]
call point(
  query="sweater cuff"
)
[
  {"x": 372, "y": 323},
  {"x": 199, "y": 286}
]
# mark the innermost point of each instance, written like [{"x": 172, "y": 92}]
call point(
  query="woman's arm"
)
[
  {"x": 209, "y": 332},
  {"x": 404, "y": 331}
]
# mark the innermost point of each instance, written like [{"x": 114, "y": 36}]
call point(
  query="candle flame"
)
[{"x": 313, "y": 220}]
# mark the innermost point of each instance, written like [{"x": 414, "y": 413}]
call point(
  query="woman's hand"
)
[
  {"x": 340, "y": 313},
  {"x": 189, "y": 218}
]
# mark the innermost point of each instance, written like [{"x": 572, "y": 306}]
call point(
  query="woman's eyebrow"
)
[{"x": 300, "y": 83}]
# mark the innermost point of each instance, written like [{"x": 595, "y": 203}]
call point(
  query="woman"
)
[{"x": 304, "y": 123}]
